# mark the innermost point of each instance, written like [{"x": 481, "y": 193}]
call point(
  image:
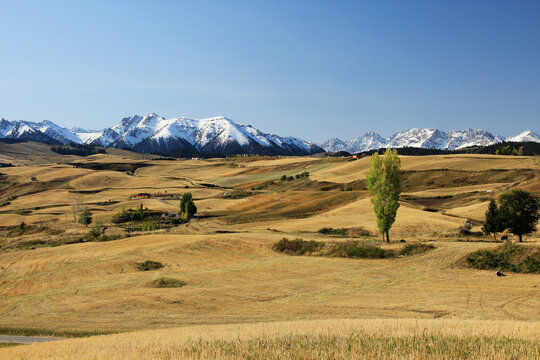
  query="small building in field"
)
[
  {"x": 357, "y": 156},
  {"x": 143, "y": 196}
]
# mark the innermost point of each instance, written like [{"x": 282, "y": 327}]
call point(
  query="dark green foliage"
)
[
  {"x": 349, "y": 249},
  {"x": 124, "y": 216},
  {"x": 355, "y": 249},
  {"x": 302, "y": 175},
  {"x": 283, "y": 177},
  {"x": 520, "y": 210},
  {"x": 78, "y": 150},
  {"x": 494, "y": 223},
  {"x": 85, "y": 217},
  {"x": 506, "y": 150},
  {"x": 510, "y": 257},
  {"x": 414, "y": 249},
  {"x": 297, "y": 246},
  {"x": 332, "y": 231},
  {"x": 149, "y": 226},
  {"x": 167, "y": 283},
  {"x": 187, "y": 206},
  {"x": 149, "y": 265},
  {"x": 33, "y": 178}
]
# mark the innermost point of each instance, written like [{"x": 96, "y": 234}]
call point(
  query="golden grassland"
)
[
  {"x": 423, "y": 306},
  {"x": 307, "y": 339}
]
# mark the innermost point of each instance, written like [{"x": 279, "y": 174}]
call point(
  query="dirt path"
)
[{"x": 24, "y": 339}]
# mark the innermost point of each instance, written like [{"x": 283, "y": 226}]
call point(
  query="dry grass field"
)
[{"x": 421, "y": 306}]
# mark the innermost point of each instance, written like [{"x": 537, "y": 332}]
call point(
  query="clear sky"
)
[{"x": 313, "y": 69}]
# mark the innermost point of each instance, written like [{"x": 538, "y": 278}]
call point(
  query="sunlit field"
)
[{"x": 240, "y": 298}]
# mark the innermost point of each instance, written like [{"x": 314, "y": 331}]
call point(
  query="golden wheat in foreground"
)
[{"x": 313, "y": 339}]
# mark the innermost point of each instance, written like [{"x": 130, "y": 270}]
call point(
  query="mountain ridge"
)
[
  {"x": 427, "y": 138},
  {"x": 221, "y": 135},
  {"x": 153, "y": 133}
]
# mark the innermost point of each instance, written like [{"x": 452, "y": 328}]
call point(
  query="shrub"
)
[
  {"x": 332, "y": 231},
  {"x": 508, "y": 257},
  {"x": 283, "y": 177},
  {"x": 149, "y": 265},
  {"x": 149, "y": 226},
  {"x": 414, "y": 249},
  {"x": 355, "y": 249},
  {"x": 297, "y": 246},
  {"x": 167, "y": 283}
]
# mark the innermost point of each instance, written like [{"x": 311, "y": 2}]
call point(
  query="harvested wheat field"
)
[{"x": 216, "y": 287}]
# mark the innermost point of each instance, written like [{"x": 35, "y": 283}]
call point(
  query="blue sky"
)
[{"x": 313, "y": 69}]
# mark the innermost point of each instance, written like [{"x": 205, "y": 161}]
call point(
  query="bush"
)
[
  {"x": 297, "y": 246},
  {"x": 332, "y": 231},
  {"x": 149, "y": 226},
  {"x": 167, "y": 283},
  {"x": 355, "y": 249},
  {"x": 508, "y": 257},
  {"x": 414, "y": 249},
  {"x": 149, "y": 265}
]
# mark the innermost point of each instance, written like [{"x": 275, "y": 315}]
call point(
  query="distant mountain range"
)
[
  {"x": 425, "y": 138},
  {"x": 220, "y": 135},
  {"x": 155, "y": 134}
]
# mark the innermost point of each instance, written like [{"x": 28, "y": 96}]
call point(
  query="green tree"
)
[
  {"x": 384, "y": 183},
  {"x": 85, "y": 218},
  {"x": 187, "y": 206},
  {"x": 493, "y": 223},
  {"x": 520, "y": 210}
]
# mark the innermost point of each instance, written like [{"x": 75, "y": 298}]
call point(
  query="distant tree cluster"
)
[
  {"x": 527, "y": 148},
  {"x": 78, "y": 150},
  {"x": 124, "y": 215},
  {"x": 297, "y": 176},
  {"x": 507, "y": 150},
  {"x": 516, "y": 210}
]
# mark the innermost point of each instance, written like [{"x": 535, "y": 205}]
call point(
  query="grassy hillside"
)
[{"x": 56, "y": 277}]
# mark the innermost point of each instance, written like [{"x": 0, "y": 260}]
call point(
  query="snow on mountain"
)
[
  {"x": 5, "y": 127},
  {"x": 368, "y": 141},
  {"x": 153, "y": 133},
  {"x": 422, "y": 138},
  {"x": 470, "y": 137},
  {"x": 527, "y": 135},
  {"x": 335, "y": 145}
]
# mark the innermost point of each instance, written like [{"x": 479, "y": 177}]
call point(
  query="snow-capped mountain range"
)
[
  {"x": 425, "y": 138},
  {"x": 220, "y": 135},
  {"x": 153, "y": 133}
]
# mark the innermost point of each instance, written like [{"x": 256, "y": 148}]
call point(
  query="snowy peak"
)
[
  {"x": 422, "y": 138},
  {"x": 471, "y": 137},
  {"x": 369, "y": 140},
  {"x": 527, "y": 135},
  {"x": 425, "y": 138}
]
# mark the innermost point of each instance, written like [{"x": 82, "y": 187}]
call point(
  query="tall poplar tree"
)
[
  {"x": 384, "y": 183},
  {"x": 187, "y": 206}
]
